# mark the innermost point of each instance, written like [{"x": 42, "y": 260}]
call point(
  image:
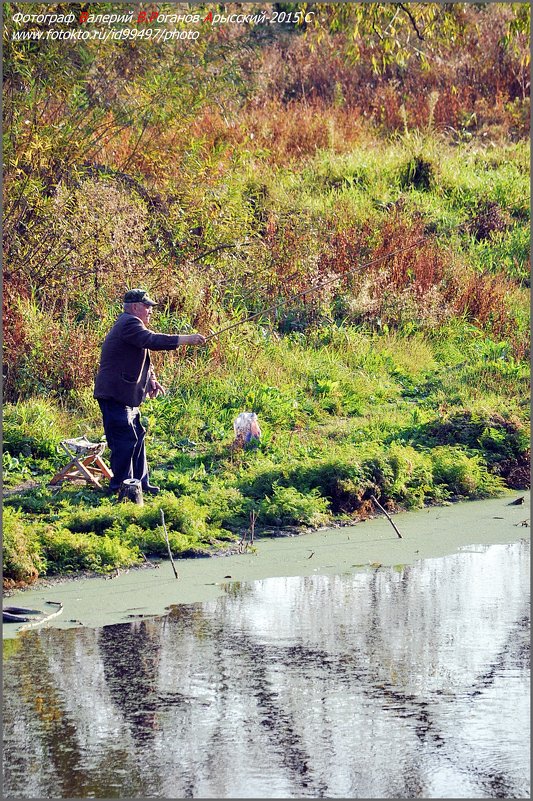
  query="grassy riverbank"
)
[
  {"x": 372, "y": 219},
  {"x": 407, "y": 380},
  {"x": 345, "y": 414}
]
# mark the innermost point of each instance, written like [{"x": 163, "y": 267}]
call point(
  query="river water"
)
[{"x": 404, "y": 681}]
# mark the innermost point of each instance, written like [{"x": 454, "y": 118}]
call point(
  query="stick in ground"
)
[
  {"x": 386, "y": 515},
  {"x": 168, "y": 544}
]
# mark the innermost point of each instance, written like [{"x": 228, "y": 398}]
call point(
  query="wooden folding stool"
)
[{"x": 86, "y": 462}]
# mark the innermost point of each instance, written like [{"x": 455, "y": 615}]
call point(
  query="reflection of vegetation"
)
[
  {"x": 130, "y": 656},
  {"x": 121, "y": 168},
  {"x": 58, "y": 736},
  {"x": 10, "y": 648},
  {"x": 222, "y": 684},
  {"x": 60, "y": 748}
]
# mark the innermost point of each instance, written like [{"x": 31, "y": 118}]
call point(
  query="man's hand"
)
[
  {"x": 155, "y": 388},
  {"x": 192, "y": 339}
]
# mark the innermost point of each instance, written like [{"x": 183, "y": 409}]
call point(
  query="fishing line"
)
[
  {"x": 314, "y": 288},
  {"x": 359, "y": 266}
]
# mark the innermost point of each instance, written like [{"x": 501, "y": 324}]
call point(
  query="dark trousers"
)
[{"x": 125, "y": 438}]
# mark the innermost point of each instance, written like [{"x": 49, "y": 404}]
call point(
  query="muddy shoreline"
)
[
  {"x": 267, "y": 534},
  {"x": 154, "y": 563},
  {"x": 144, "y": 591}
]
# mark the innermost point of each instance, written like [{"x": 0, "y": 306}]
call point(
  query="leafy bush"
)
[
  {"x": 68, "y": 552},
  {"x": 23, "y": 559},
  {"x": 287, "y": 507},
  {"x": 96, "y": 520},
  {"x": 183, "y": 515},
  {"x": 152, "y": 541},
  {"x": 463, "y": 475},
  {"x": 226, "y": 505},
  {"x": 185, "y": 519},
  {"x": 412, "y": 475},
  {"x": 498, "y": 438}
]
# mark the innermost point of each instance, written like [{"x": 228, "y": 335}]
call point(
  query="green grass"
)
[{"x": 345, "y": 414}]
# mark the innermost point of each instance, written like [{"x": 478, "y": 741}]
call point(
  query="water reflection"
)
[
  {"x": 395, "y": 683},
  {"x": 130, "y": 658}
]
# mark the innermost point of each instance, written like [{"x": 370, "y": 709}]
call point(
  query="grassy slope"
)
[{"x": 378, "y": 389}]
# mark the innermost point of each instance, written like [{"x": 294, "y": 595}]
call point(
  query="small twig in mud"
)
[
  {"x": 147, "y": 560},
  {"x": 168, "y": 544},
  {"x": 386, "y": 515},
  {"x": 243, "y": 545}
]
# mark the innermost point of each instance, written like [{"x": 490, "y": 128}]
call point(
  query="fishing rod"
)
[
  {"x": 307, "y": 291},
  {"x": 303, "y": 293}
]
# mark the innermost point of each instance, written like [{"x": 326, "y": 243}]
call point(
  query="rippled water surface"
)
[{"x": 386, "y": 683}]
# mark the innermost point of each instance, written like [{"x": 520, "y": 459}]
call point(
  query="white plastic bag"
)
[{"x": 246, "y": 427}]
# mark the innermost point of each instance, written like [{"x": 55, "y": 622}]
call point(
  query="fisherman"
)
[{"x": 124, "y": 379}]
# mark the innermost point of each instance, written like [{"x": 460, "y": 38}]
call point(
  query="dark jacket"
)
[{"x": 124, "y": 369}]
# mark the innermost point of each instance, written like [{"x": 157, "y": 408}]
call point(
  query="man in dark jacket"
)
[{"x": 125, "y": 378}]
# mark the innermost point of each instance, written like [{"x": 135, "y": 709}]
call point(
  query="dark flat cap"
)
[{"x": 139, "y": 296}]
